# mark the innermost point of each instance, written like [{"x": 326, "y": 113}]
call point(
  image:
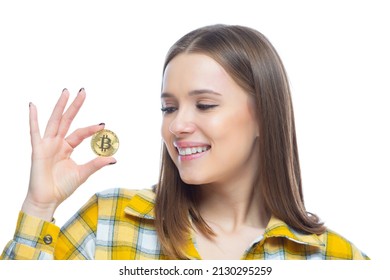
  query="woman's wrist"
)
[{"x": 42, "y": 211}]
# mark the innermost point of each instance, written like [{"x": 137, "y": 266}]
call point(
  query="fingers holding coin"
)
[{"x": 80, "y": 134}]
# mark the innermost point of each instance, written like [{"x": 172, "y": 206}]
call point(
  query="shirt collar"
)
[
  {"x": 278, "y": 228},
  {"x": 142, "y": 205}
]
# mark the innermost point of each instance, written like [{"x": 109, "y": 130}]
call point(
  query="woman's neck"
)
[{"x": 230, "y": 207}]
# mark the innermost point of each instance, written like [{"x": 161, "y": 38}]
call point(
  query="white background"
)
[{"x": 336, "y": 54}]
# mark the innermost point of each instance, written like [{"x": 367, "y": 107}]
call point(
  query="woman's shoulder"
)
[
  {"x": 339, "y": 247},
  {"x": 328, "y": 245}
]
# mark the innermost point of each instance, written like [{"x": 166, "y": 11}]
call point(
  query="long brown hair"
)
[{"x": 250, "y": 59}]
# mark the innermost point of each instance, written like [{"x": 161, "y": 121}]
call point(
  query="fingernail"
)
[
  {"x": 81, "y": 89},
  {"x": 65, "y": 89},
  {"x": 111, "y": 163},
  {"x": 29, "y": 104},
  {"x": 102, "y": 123}
]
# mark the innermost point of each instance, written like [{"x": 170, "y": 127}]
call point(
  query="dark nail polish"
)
[
  {"x": 102, "y": 123},
  {"x": 81, "y": 89},
  {"x": 29, "y": 104},
  {"x": 111, "y": 163},
  {"x": 64, "y": 89}
]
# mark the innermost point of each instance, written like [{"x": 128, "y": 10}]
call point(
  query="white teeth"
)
[{"x": 190, "y": 151}]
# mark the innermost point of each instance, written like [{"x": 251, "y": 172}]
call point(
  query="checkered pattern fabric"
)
[{"x": 119, "y": 224}]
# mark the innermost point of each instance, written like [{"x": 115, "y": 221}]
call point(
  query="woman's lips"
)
[{"x": 191, "y": 150}]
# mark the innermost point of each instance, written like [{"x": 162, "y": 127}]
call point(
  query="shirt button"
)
[{"x": 48, "y": 239}]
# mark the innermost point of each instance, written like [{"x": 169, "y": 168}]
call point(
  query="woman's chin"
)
[{"x": 191, "y": 180}]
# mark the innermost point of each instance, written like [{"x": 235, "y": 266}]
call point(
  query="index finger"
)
[{"x": 56, "y": 116}]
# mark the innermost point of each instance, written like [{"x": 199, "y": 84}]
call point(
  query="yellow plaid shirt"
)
[{"x": 118, "y": 224}]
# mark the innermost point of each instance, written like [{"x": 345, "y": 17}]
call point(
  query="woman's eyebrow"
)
[
  {"x": 166, "y": 95},
  {"x": 203, "y": 91},
  {"x": 191, "y": 93}
]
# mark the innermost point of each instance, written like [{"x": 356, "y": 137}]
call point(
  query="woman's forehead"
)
[{"x": 195, "y": 72}]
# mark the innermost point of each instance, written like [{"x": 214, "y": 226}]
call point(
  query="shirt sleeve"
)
[{"x": 34, "y": 239}]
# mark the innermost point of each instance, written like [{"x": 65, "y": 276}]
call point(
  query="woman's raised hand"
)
[{"x": 54, "y": 175}]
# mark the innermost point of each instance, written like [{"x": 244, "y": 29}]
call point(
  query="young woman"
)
[{"x": 230, "y": 182}]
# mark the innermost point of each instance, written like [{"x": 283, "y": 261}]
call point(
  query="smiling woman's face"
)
[{"x": 209, "y": 125}]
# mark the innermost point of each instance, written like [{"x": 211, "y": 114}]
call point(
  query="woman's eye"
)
[
  {"x": 168, "y": 110},
  {"x": 172, "y": 109},
  {"x": 205, "y": 106}
]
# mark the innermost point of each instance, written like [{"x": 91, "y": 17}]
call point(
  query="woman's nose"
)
[{"x": 182, "y": 124}]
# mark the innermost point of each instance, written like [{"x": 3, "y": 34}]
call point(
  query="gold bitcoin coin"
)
[{"x": 104, "y": 143}]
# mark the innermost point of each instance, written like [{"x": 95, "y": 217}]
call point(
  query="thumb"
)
[{"x": 94, "y": 165}]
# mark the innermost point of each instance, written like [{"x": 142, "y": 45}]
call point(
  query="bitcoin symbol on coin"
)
[{"x": 104, "y": 143}]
